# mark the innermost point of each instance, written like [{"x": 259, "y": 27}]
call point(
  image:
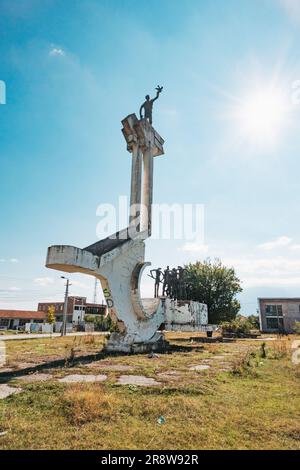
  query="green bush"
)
[
  {"x": 239, "y": 327},
  {"x": 101, "y": 323},
  {"x": 254, "y": 320},
  {"x": 296, "y": 328}
]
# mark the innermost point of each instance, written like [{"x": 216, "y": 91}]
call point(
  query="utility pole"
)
[
  {"x": 64, "y": 325},
  {"x": 95, "y": 291}
]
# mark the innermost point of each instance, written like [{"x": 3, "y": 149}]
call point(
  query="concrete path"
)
[{"x": 21, "y": 336}]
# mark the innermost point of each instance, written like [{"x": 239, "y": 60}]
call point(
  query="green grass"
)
[{"x": 256, "y": 405}]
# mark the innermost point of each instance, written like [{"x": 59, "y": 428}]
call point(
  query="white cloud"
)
[
  {"x": 57, "y": 51},
  {"x": 11, "y": 260},
  {"x": 272, "y": 266},
  {"x": 295, "y": 247},
  {"x": 292, "y": 8},
  {"x": 43, "y": 281},
  {"x": 277, "y": 243},
  {"x": 15, "y": 289},
  {"x": 276, "y": 272},
  {"x": 82, "y": 285},
  {"x": 271, "y": 282},
  {"x": 195, "y": 247}
]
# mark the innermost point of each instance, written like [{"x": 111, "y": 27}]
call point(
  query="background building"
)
[
  {"x": 12, "y": 319},
  {"x": 278, "y": 314},
  {"x": 78, "y": 307}
]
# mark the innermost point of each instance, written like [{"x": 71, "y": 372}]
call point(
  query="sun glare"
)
[
  {"x": 262, "y": 115},
  {"x": 260, "y": 111}
]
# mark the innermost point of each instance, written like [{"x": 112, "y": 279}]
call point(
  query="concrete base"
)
[{"x": 129, "y": 344}]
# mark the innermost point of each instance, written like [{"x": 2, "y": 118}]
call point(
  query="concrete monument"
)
[{"x": 119, "y": 260}]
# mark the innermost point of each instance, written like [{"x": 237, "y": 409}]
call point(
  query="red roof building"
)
[{"x": 10, "y": 319}]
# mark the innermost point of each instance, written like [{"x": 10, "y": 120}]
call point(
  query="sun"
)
[
  {"x": 259, "y": 113},
  {"x": 262, "y": 115}
]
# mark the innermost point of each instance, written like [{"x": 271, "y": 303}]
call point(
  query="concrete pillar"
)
[
  {"x": 147, "y": 190},
  {"x": 136, "y": 184}
]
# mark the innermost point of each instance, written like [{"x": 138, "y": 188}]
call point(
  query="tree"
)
[
  {"x": 51, "y": 315},
  {"x": 215, "y": 285}
]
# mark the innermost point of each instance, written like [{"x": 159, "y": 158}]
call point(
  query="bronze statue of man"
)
[
  {"x": 181, "y": 283},
  {"x": 157, "y": 278},
  {"x": 166, "y": 282},
  {"x": 147, "y": 106}
]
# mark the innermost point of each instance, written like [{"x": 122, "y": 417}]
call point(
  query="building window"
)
[
  {"x": 4, "y": 322},
  {"x": 274, "y": 310},
  {"x": 95, "y": 311},
  {"x": 275, "y": 323}
]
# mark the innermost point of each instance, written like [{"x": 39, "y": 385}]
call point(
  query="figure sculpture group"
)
[{"x": 174, "y": 282}]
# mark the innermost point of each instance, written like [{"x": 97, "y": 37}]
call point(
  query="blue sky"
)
[{"x": 74, "y": 69}]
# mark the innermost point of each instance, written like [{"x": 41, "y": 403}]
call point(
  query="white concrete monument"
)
[{"x": 119, "y": 260}]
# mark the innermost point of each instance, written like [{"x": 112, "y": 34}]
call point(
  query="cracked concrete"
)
[
  {"x": 6, "y": 391},
  {"x": 140, "y": 380},
  {"x": 77, "y": 378}
]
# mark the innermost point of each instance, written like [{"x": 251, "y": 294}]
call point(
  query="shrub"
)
[
  {"x": 101, "y": 323},
  {"x": 296, "y": 328},
  {"x": 254, "y": 320},
  {"x": 239, "y": 327},
  {"x": 245, "y": 364}
]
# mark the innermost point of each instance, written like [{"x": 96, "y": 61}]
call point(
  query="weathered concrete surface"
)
[
  {"x": 35, "y": 378},
  {"x": 110, "y": 367},
  {"x": 185, "y": 316},
  {"x": 6, "y": 391},
  {"x": 77, "y": 378},
  {"x": 119, "y": 272},
  {"x": 139, "y": 380},
  {"x": 171, "y": 375},
  {"x": 200, "y": 367}
]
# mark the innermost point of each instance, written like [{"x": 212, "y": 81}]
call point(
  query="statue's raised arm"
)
[{"x": 158, "y": 89}]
